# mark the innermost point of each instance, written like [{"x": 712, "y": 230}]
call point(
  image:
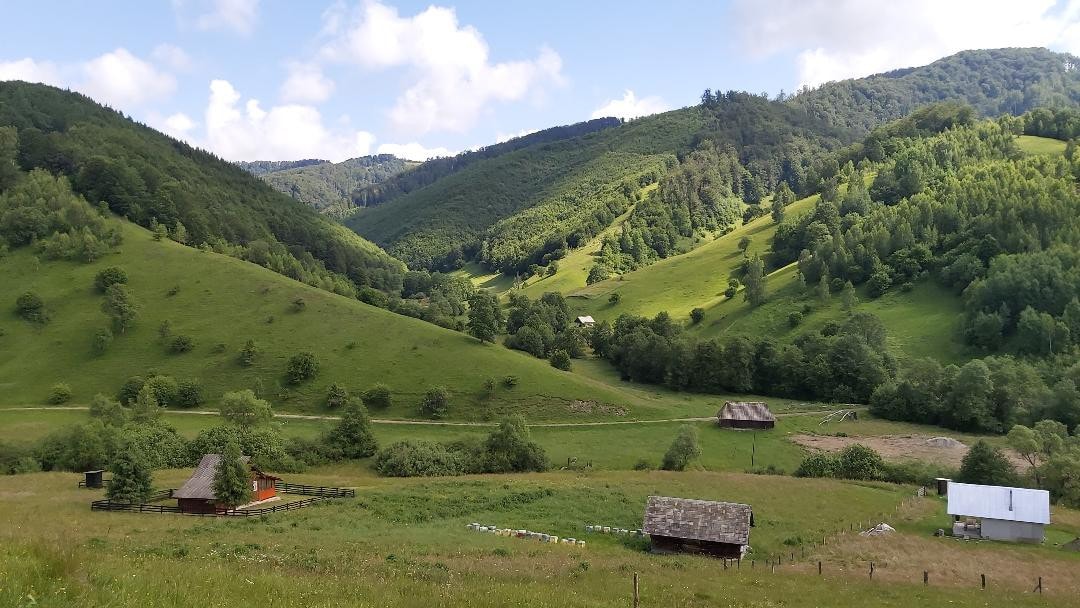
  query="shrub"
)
[
  {"x": 510, "y": 449},
  {"x": 336, "y": 395},
  {"x": 489, "y": 388},
  {"x": 108, "y": 411},
  {"x": 31, "y": 307},
  {"x": 377, "y": 397},
  {"x": 794, "y": 319},
  {"x": 164, "y": 389},
  {"x": 510, "y": 381},
  {"x": 112, "y": 275},
  {"x": 181, "y": 344},
  {"x": 102, "y": 340},
  {"x": 299, "y": 305},
  {"x": 560, "y": 359},
  {"x": 302, "y": 366},
  {"x": 418, "y": 459},
  {"x": 817, "y": 465},
  {"x": 189, "y": 393},
  {"x": 642, "y": 465},
  {"x": 879, "y": 283},
  {"x": 120, "y": 308},
  {"x": 129, "y": 391},
  {"x": 614, "y": 298},
  {"x": 248, "y": 353},
  {"x": 352, "y": 437},
  {"x": 165, "y": 329},
  {"x": 436, "y": 403},
  {"x": 859, "y": 462},
  {"x": 244, "y": 409},
  {"x": 683, "y": 449},
  {"x": 732, "y": 288},
  {"x": 697, "y": 315},
  {"x": 984, "y": 464},
  {"x": 59, "y": 393}
]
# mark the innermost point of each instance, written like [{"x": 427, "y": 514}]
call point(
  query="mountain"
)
[
  {"x": 526, "y": 207},
  {"x": 262, "y": 167},
  {"x": 152, "y": 179}
]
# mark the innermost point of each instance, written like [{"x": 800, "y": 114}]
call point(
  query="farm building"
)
[
  {"x": 720, "y": 529},
  {"x": 586, "y": 321},
  {"x": 745, "y": 415},
  {"x": 998, "y": 513},
  {"x": 197, "y": 493}
]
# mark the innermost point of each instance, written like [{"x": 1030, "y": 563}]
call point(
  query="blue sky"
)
[{"x": 261, "y": 79}]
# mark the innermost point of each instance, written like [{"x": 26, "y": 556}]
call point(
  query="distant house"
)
[
  {"x": 720, "y": 529},
  {"x": 998, "y": 512},
  {"x": 197, "y": 493},
  {"x": 745, "y": 415},
  {"x": 585, "y": 321}
]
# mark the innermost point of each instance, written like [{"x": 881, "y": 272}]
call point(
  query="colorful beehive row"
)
[
  {"x": 526, "y": 534},
  {"x": 610, "y": 530}
]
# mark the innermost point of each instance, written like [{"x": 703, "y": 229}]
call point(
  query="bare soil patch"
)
[{"x": 902, "y": 447}]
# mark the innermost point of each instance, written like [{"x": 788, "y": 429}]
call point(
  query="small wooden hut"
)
[
  {"x": 720, "y": 529},
  {"x": 585, "y": 321},
  {"x": 745, "y": 415},
  {"x": 197, "y": 493}
]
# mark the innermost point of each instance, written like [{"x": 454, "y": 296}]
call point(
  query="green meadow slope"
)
[{"x": 222, "y": 302}]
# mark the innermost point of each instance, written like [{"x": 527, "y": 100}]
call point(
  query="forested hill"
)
[
  {"x": 329, "y": 187},
  {"x": 527, "y": 208},
  {"x": 200, "y": 199}
]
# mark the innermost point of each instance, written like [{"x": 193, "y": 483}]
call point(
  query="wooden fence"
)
[
  {"x": 296, "y": 488},
  {"x": 316, "y": 494}
]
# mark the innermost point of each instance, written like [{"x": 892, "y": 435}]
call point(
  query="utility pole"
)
[{"x": 753, "y": 450}]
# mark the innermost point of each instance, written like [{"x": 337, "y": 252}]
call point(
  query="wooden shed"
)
[
  {"x": 720, "y": 529},
  {"x": 745, "y": 415},
  {"x": 197, "y": 493}
]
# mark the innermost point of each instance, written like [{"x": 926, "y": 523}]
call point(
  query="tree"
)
[
  {"x": 160, "y": 231},
  {"x": 683, "y": 449},
  {"x": 179, "y": 233},
  {"x": 560, "y": 359},
  {"x": 697, "y": 315},
  {"x": 755, "y": 281},
  {"x": 352, "y": 436},
  {"x": 1035, "y": 332},
  {"x": 164, "y": 389},
  {"x": 302, "y": 366},
  {"x": 181, "y": 344},
  {"x": 848, "y": 299},
  {"x": 614, "y": 298},
  {"x": 485, "y": 316},
  {"x": 59, "y": 393},
  {"x": 120, "y": 308},
  {"x": 510, "y": 449},
  {"x": 435, "y": 403},
  {"x": 732, "y": 288},
  {"x": 553, "y": 268},
  {"x": 109, "y": 276},
  {"x": 146, "y": 406},
  {"x": 232, "y": 478},
  {"x": 336, "y": 395},
  {"x": 110, "y": 412},
  {"x": 859, "y": 462},
  {"x": 243, "y": 408},
  {"x": 1038, "y": 445},
  {"x": 879, "y": 283},
  {"x": 744, "y": 243},
  {"x": 131, "y": 478},
  {"x": 377, "y": 396},
  {"x": 31, "y": 307},
  {"x": 781, "y": 199},
  {"x": 102, "y": 339},
  {"x": 984, "y": 464},
  {"x": 248, "y": 353}
]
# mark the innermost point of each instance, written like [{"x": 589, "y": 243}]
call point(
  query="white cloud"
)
[
  {"x": 413, "y": 151},
  {"x": 631, "y": 107},
  {"x": 500, "y": 137},
  {"x": 306, "y": 83},
  {"x": 179, "y": 125},
  {"x": 30, "y": 70},
  {"x": 837, "y": 39},
  {"x": 123, "y": 80},
  {"x": 453, "y": 79},
  {"x": 172, "y": 56},
  {"x": 236, "y": 15},
  {"x": 285, "y": 132}
]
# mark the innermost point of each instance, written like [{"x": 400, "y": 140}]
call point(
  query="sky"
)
[{"x": 283, "y": 80}]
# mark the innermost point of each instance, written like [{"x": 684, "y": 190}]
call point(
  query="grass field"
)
[
  {"x": 1032, "y": 144},
  {"x": 404, "y": 543}
]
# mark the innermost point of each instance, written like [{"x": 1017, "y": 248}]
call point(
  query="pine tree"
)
[
  {"x": 848, "y": 299},
  {"x": 179, "y": 233},
  {"x": 232, "y": 478},
  {"x": 131, "y": 481}
]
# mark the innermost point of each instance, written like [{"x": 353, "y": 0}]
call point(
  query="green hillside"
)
[
  {"x": 526, "y": 208},
  {"x": 221, "y": 302},
  {"x": 328, "y": 187}
]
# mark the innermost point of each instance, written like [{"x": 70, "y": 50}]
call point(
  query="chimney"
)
[{"x": 1010, "y": 500}]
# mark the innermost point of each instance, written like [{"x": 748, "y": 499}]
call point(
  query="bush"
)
[
  {"x": 189, "y": 393},
  {"x": 302, "y": 366},
  {"x": 614, "y": 298},
  {"x": 984, "y": 464},
  {"x": 510, "y": 381},
  {"x": 113, "y": 275},
  {"x": 164, "y": 389},
  {"x": 817, "y": 465},
  {"x": 336, "y": 395},
  {"x": 560, "y": 359},
  {"x": 418, "y": 459},
  {"x": 859, "y": 462},
  {"x": 108, "y": 411},
  {"x": 299, "y": 305},
  {"x": 683, "y": 449},
  {"x": 510, "y": 449},
  {"x": 244, "y": 409},
  {"x": 59, "y": 393},
  {"x": 352, "y": 437},
  {"x": 697, "y": 315},
  {"x": 31, "y": 307},
  {"x": 794, "y": 319},
  {"x": 181, "y": 344},
  {"x": 248, "y": 353},
  {"x": 642, "y": 465},
  {"x": 377, "y": 397},
  {"x": 129, "y": 391},
  {"x": 436, "y": 403},
  {"x": 102, "y": 340}
]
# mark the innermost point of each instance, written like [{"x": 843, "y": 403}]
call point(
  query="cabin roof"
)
[
  {"x": 704, "y": 520},
  {"x": 999, "y": 502},
  {"x": 201, "y": 482},
  {"x": 586, "y": 319},
  {"x": 756, "y": 411}
]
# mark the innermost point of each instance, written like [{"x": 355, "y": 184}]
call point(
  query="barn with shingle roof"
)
[
  {"x": 197, "y": 493},
  {"x": 745, "y": 415},
  {"x": 720, "y": 529}
]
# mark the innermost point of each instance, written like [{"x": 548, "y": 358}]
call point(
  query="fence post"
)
[
  {"x": 983, "y": 580},
  {"x": 871, "y": 570},
  {"x": 819, "y": 568},
  {"x": 925, "y": 577},
  {"x": 635, "y": 591}
]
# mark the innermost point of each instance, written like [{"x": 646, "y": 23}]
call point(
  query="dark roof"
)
[
  {"x": 706, "y": 520},
  {"x": 201, "y": 482},
  {"x": 746, "y": 410}
]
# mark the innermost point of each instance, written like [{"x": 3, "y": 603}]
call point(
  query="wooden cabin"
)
[
  {"x": 585, "y": 321},
  {"x": 197, "y": 493},
  {"x": 745, "y": 415},
  {"x": 683, "y": 525}
]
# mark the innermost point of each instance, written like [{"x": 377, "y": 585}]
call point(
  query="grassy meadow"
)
[{"x": 1033, "y": 144}]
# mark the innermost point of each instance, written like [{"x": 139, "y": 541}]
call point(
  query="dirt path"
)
[{"x": 419, "y": 422}]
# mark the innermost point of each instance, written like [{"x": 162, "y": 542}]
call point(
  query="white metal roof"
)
[
  {"x": 586, "y": 319},
  {"x": 998, "y": 502}
]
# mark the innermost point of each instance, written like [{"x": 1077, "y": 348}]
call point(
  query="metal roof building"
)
[
  {"x": 698, "y": 526},
  {"x": 1003, "y": 513}
]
